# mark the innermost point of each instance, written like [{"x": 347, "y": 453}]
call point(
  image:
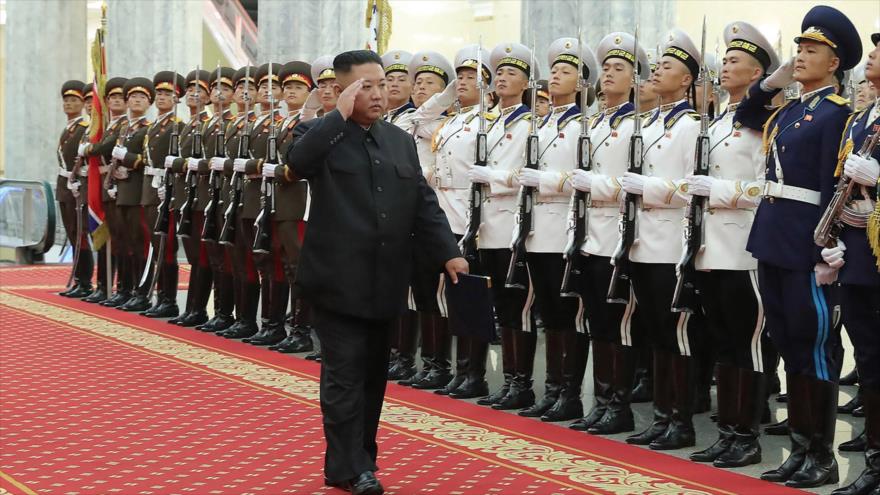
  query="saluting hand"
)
[
  {"x": 456, "y": 266},
  {"x": 781, "y": 77},
  {"x": 345, "y": 102}
]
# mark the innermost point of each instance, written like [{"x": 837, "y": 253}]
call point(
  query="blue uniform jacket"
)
[
  {"x": 807, "y": 139},
  {"x": 860, "y": 267}
]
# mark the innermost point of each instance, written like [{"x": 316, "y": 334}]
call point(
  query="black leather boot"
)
[
  {"x": 680, "y": 432},
  {"x": 662, "y": 393},
  {"x": 99, "y": 295},
  {"x": 779, "y": 428},
  {"x": 462, "y": 362},
  {"x": 727, "y": 382},
  {"x": 603, "y": 369},
  {"x": 618, "y": 416},
  {"x": 407, "y": 343},
  {"x": 198, "y": 313},
  {"x": 857, "y": 444},
  {"x": 643, "y": 388},
  {"x": 521, "y": 395},
  {"x": 508, "y": 359},
  {"x": 475, "y": 384},
  {"x": 746, "y": 449},
  {"x": 852, "y": 404},
  {"x": 820, "y": 465},
  {"x": 869, "y": 479},
  {"x": 555, "y": 354},
  {"x": 441, "y": 372},
  {"x": 569, "y": 406},
  {"x": 427, "y": 332},
  {"x": 850, "y": 378},
  {"x": 274, "y": 331},
  {"x": 246, "y": 325},
  {"x": 800, "y": 421}
]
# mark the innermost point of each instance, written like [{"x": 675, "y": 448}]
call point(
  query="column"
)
[
  {"x": 306, "y": 30},
  {"x": 56, "y": 30}
]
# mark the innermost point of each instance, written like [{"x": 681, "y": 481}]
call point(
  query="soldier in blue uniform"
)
[
  {"x": 858, "y": 272},
  {"x": 801, "y": 139}
]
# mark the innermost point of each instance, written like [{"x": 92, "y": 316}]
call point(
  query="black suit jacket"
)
[{"x": 371, "y": 209}]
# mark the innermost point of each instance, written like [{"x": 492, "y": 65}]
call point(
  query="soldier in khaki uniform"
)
[
  {"x": 291, "y": 196},
  {"x": 197, "y": 84},
  {"x": 246, "y": 288},
  {"x": 118, "y": 124},
  {"x": 128, "y": 174},
  {"x": 169, "y": 87},
  {"x": 71, "y": 187},
  {"x": 274, "y": 290},
  {"x": 221, "y": 266}
]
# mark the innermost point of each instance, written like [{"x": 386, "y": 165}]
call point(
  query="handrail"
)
[{"x": 27, "y": 252}]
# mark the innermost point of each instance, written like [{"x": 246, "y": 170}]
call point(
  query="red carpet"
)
[{"x": 94, "y": 400}]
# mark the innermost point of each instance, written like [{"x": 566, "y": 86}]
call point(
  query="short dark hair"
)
[{"x": 343, "y": 62}]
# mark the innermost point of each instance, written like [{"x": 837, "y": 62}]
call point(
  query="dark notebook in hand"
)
[{"x": 469, "y": 307}]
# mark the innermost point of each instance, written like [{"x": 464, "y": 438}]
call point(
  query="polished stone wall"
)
[{"x": 305, "y": 30}]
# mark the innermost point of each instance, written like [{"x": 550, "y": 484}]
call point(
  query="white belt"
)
[
  {"x": 154, "y": 171},
  {"x": 777, "y": 190},
  {"x": 64, "y": 173},
  {"x": 83, "y": 172}
]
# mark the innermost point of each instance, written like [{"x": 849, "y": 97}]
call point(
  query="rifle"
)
[
  {"x": 831, "y": 223},
  {"x": 468, "y": 243},
  {"x": 621, "y": 277},
  {"x": 227, "y": 233},
  {"x": 109, "y": 180},
  {"x": 209, "y": 228},
  {"x": 263, "y": 222},
  {"x": 518, "y": 270},
  {"x": 580, "y": 200},
  {"x": 184, "y": 225},
  {"x": 164, "y": 217},
  {"x": 685, "y": 298},
  {"x": 74, "y": 176}
]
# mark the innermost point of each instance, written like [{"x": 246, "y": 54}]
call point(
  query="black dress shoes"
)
[
  {"x": 365, "y": 484},
  {"x": 79, "y": 292},
  {"x": 194, "y": 318},
  {"x": 777, "y": 429},
  {"x": 857, "y": 444},
  {"x": 218, "y": 323},
  {"x": 136, "y": 304},
  {"x": 273, "y": 333},
  {"x": 471, "y": 389},
  {"x": 116, "y": 299},
  {"x": 96, "y": 297},
  {"x": 240, "y": 330},
  {"x": 165, "y": 309}
]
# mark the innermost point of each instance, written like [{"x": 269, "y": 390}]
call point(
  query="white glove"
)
[
  {"x": 217, "y": 163},
  {"x": 192, "y": 164},
  {"x": 582, "y": 180},
  {"x": 825, "y": 275},
  {"x": 447, "y": 97},
  {"x": 120, "y": 173},
  {"x": 81, "y": 150},
  {"x": 111, "y": 192},
  {"x": 781, "y": 77},
  {"x": 633, "y": 183},
  {"x": 161, "y": 192},
  {"x": 529, "y": 177},
  {"x": 169, "y": 161},
  {"x": 238, "y": 165},
  {"x": 74, "y": 188},
  {"x": 119, "y": 152},
  {"x": 269, "y": 169},
  {"x": 699, "y": 185},
  {"x": 479, "y": 175},
  {"x": 864, "y": 171},
  {"x": 311, "y": 106},
  {"x": 834, "y": 256}
]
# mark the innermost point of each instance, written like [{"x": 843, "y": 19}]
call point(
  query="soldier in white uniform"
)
[
  {"x": 610, "y": 324},
  {"x": 670, "y": 137},
  {"x": 430, "y": 73},
  {"x": 399, "y": 82},
  {"x": 506, "y": 140},
  {"x": 728, "y": 279},
  {"x": 567, "y": 342},
  {"x": 453, "y": 143}
]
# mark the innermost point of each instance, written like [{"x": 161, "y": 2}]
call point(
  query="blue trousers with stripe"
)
[{"x": 804, "y": 321}]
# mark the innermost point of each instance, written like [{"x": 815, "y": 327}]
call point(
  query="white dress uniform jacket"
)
[
  {"x": 506, "y": 140},
  {"x": 736, "y": 161},
  {"x": 610, "y": 134},
  {"x": 557, "y": 158},
  {"x": 670, "y": 140}
]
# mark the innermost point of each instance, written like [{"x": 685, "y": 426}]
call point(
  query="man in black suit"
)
[{"x": 371, "y": 209}]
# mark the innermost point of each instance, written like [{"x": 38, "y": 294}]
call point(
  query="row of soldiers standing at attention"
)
[{"x": 746, "y": 187}]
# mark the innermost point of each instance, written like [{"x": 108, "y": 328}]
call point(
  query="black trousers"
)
[
  {"x": 860, "y": 307},
  {"x": 608, "y": 322},
  {"x": 354, "y": 369},
  {"x": 654, "y": 287},
  {"x": 804, "y": 321},
  {"x": 85, "y": 263},
  {"x": 512, "y": 306},
  {"x": 734, "y": 316},
  {"x": 558, "y": 312}
]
